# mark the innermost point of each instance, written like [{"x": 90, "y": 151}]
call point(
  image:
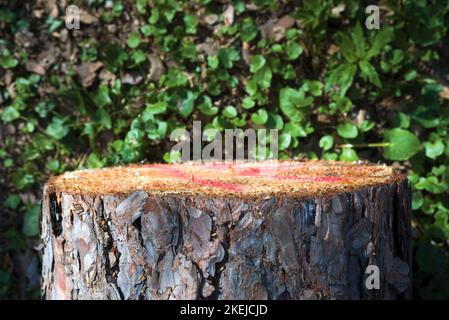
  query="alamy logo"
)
[
  {"x": 250, "y": 144},
  {"x": 72, "y": 17},
  {"x": 373, "y": 279},
  {"x": 373, "y": 20}
]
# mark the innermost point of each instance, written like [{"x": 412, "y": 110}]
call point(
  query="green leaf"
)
[
  {"x": 30, "y": 226},
  {"x": 102, "y": 97},
  {"x": 348, "y": 154},
  {"x": 290, "y": 100},
  {"x": 22, "y": 179},
  {"x": 284, "y": 141},
  {"x": 187, "y": 104},
  {"x": 94, "y": 161},
  {"x": 263, "y": 77},
  {"x": 370, "y": 73},
  {"x": 326, "y": 142},
  {"x": 426, "y": 116},
  {"x": 276, "y": 48},
  {"x": 53, "y": 165},
  {"x": 248, "y": 30},
  {"x": 251, "y": 87},
  {"x": 358, "y": 40},
  {"x": 117, "y": 8},
  {"x": 383, "y": 37},
  {"x": 133, "y": 40},
  {"x": 329, "y": 156},
  {"x": 188, "y": 50},
  {"x": 366, "y": 125},
  {"x": 410, "y": 75},
  {"x": 43, "y": 142},
  {"x": 138, "y": 57},
  {"x": 213, "y": 61},
  {"x": 117, "y": 145},
  {"x": 8, "y": 163},
  {"x": 43, "y": 108},
  {"x": 206, "y": 107},
  {"x": 190, "y": 22},
  {"x": 293, "y": 50},
  {"x": 154, "y": 108},
  {"x": 89, "y": 130},
  {"x": 260, "y": 117},
  {"x": 296, "y": 130},
  {"x": 417, "y": 200},
  {"x": 57, "y": 129},
  {"x": 434, "y": 149},
  {"x": 230, "y": 112},
  {"x": 402, "y": 120},
  {"x": 172, "y": 156},
  {"x": 248, "y": 103},
  {"x": 347, "y": 47},
  {"x": 347, "y": 130},
  {"x": 174, "y": 78},
  {"x": 30, "y": 126},
  {"x": 257, "y": 62},
  {"x": 238, "y": 122},
  {"x": 314, "y": 87},
  {"x": 157, "y": 130},
  {"x": 12, "y": 201},
  {"x": 114, "y": 57},
  {"x": 439, "y": 170},
  {"x": 154, "y": 17},
  {"x": 431, "y": 184},
  {"x": 148, "y": 30},
  {"x": 275, "y": 121},
  {"x": 8, "y": 61},
  {"x": 342, "y": 77},
  {"x": 141, "y": 6},
  {"x": 9, "y": 114},
  {"x": 228, "y": 56},
  {"x": 102, "y": 119},
  {"x": 403, "y": 144}
]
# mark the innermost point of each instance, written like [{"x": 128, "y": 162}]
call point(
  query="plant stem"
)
[{"x": 366, "y": 145}]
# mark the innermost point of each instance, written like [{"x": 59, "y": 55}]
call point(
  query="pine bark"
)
[{"x": 144, "y": 246}]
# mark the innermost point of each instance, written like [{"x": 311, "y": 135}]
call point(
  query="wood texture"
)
[{"x": 143, "y": 244}]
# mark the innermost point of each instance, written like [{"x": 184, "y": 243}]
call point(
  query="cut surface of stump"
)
[{"x": 262, "y": 230}]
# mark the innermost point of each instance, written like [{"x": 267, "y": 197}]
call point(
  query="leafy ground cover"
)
[{"x": 112, "y": 91}]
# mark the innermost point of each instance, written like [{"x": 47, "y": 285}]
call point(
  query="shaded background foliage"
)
[{"x": 111, "y": 92}]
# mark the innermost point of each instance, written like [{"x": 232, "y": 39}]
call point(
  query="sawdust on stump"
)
[{"x": 292, "y": 178}]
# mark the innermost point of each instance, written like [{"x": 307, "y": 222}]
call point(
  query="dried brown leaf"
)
[
  {"x": 275, "y": 29},
  {"x": 87, "y": 18},
  {"x": 157, "y": 68},
  {"x": 132, "y": 78},
  {"x": 87, "y": 72},
  {"x": 228, "y": 15},
  {"x": 35, "y": 67}
]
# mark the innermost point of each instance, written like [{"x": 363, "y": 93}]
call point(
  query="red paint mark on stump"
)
[
  {"x": 219, "y": 184},
  {"x": 249, "y": 172},
  {"x": 310, "y": 179},
  {"x": 327, "y": 179},
  {"x": 267, "y": 171},
  {"x": 205, "y": 182}
]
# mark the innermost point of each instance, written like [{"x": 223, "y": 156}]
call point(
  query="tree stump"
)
[{"x": 266, "y": 230}]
